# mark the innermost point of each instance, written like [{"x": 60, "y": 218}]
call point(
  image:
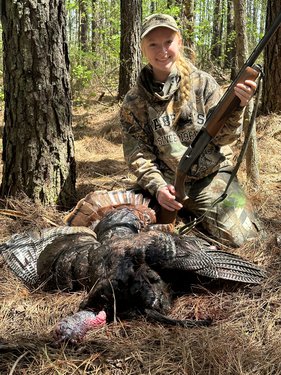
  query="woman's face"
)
[{"x": 161, "y": 47}]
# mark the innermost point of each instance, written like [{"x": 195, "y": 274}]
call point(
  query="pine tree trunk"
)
[
  {"x": 130, "y": 53},
  {"x": 83, "y": 25},
  {"x": 271, "y": 101},
  {"x": 94, "y": 34},
  {"x": 38, "y": 146},
  {"x": 242, "y": 54},
  {"x": 216, "y": 40},
  {"x": 241, "y": 32},
  {"x": 189, "y": 23},
  {"x": 230, "y": 61}
]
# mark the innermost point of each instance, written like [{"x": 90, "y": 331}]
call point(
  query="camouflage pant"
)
[{"x": 231, "y": 221}]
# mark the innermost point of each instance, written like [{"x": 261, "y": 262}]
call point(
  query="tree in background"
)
[
  {"x": 271, "y": 101},
  {"x": 242, "y": 55},
  {"x": 230, "y": 58},
  {"x": 130, "y": 54},
  {"x": 94, "y": 25},
  {"x": 84, "y": 25},
  {"x": 38, "y": 151},
  {"x": 216, "y": 46},
  {"x": 188, "y": 24},
  {"x": 241, "y": 32}
]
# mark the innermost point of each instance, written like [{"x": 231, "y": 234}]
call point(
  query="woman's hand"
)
[
  {"x": 166, "y": 197},
  {"x": 245, "y": 91}
]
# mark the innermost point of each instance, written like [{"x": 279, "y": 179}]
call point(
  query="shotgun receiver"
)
[{"x": 214, "y": 122}]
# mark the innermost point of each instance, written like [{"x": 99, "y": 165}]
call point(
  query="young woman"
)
[{"x": 161, "y": 116}]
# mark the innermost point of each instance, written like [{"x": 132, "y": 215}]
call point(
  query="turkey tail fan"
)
[
  {"x": 22, "y": 250},
  {"x": 92, "y": 207},
  {"x": 186, "y": 323}
]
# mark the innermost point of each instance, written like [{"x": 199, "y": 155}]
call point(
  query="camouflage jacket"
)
[{"x": 154, "y": 142}]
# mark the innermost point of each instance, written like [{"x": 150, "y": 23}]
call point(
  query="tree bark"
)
[
  {"x": 241, "y": 32},
  {"x": 84, "y": 21},
  {"x": 94, "y": 34},
  {"x": 230, "y": 61},
  {"x": 189, "y": 23},
  {"x": 271, "y": 101},
  {"x": 216, "y": 36},
  {"x": 242, "y": 54},
  {"x": 38, "y": 146},
  {"x": 130, "y": 53}
]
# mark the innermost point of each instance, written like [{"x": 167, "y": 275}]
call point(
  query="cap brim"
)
[{"x": 156, "y": 27}]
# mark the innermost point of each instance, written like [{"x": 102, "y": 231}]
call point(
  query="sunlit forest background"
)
[{"x": 93, "y": 34}]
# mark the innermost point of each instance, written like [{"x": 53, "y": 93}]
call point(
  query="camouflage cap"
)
[{"x": 158, "y": 20}]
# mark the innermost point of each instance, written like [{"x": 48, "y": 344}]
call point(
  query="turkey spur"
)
[{"x": 122, "y": 265}]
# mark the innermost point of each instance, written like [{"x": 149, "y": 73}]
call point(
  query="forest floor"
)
[{"x": 245, "y": 335}]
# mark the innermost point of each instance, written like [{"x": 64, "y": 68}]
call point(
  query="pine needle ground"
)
[{"x": 245, "y": 335}]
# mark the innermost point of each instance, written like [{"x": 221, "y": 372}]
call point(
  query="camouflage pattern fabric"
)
[
  {"x": 232, "y": 221},
  {"x": 154, "y": 142}
]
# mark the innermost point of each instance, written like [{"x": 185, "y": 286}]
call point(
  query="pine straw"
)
[{"x": 245, "y": 335}]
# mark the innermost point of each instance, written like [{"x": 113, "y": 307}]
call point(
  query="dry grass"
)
[{"x": 244, "y": 338}]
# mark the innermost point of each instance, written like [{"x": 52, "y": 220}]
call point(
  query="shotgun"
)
[{"x": 214, "y": 123}]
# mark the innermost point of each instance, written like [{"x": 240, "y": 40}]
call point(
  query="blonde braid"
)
[{"x": 185, "y": 83}]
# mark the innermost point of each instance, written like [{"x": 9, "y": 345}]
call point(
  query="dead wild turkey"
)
[{"x": 122, "y": 263}]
